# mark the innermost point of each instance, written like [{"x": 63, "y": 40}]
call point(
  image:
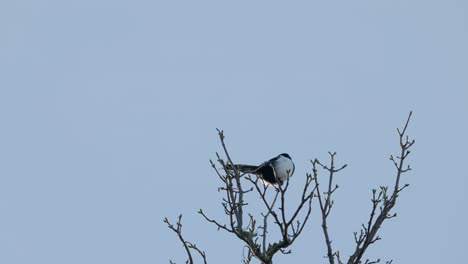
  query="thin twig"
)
[{"x": 186, "y": 244}]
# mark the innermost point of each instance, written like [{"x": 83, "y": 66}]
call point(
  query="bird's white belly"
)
[{"x": 284, "y": 168}]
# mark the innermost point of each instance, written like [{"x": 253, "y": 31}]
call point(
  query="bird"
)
[{"x": 274, "y": 171}]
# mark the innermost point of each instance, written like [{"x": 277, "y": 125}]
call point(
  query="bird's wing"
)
[{"x": 267, "y": 173}]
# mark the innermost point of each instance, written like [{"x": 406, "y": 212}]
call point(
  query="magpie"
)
[{"x": 274, "y": 171}]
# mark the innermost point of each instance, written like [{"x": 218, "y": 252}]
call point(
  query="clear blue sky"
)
[{"x": 108, "y": 112}]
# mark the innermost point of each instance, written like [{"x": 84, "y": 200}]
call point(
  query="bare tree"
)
[{"x": 254, "y": 229}]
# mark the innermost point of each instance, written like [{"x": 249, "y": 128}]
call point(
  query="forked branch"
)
[
  {"x": 383, "y": 200},
  {"x": 188, "y": 246},
  {"x": 326, "y": 201}
]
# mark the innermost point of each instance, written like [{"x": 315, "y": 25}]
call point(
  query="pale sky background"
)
[{"x": 109, "y": 111}]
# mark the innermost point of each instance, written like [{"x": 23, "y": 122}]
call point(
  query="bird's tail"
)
[{"x": 243, "y": 168}]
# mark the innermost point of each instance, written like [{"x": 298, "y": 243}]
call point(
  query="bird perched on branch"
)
[{"x": 274, "y": 171}]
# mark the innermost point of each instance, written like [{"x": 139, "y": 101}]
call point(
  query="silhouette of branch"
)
[
  {"x": 177, "y": 228},
  {"x": 383, "y": 200},
  {"x": 326, "y": 202},
  {"x": 290, "y": 228},
  {"x": 247, "y": 259}
]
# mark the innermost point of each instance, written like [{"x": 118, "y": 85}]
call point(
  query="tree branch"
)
[
  {"x": 368, "y": 234},
  {"x": 326, "y": 203},
  {"x": 186, "y": 244}
]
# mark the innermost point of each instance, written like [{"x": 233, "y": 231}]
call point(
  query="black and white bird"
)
[{"x": 274, "y": 171}]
